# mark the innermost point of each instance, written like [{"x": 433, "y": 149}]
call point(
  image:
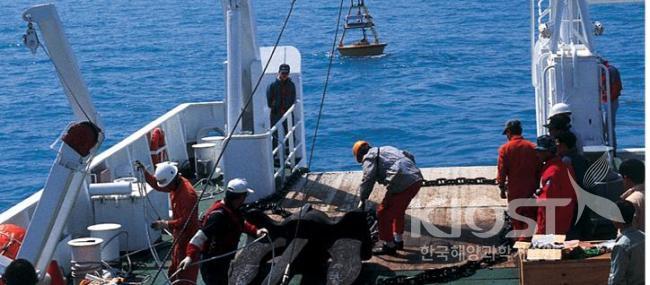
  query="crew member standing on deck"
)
[
  {"x": 518, "y": 171},
  {"x": 628, "y": 254},
  {"x": 183, "y": 199},
  {"x": 281, "y": 94},
  {"x": 221, "y": 228},
  {"x": 555, "y": 188},
  {"x": 396, "y": 170}
]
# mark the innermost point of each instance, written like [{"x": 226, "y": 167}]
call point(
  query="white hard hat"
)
[
  {"x": 559, "y": 108},
  {"x": 165, "y": 173},
  {"x": 239, "y": 185}
]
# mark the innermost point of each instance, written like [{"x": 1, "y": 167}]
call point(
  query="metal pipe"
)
[
  {"x": 233, "y": 95},
  {"x": 543, "y": 91},
  {"x": 610, "y": 129},
  {"x": 532, "y": 29}
]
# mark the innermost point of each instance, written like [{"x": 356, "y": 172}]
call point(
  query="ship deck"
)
[{"x": 335, "y": 193}]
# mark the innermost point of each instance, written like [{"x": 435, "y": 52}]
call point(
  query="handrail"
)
[
  {"x": 284, "y": 141},
  {"x": 543, "y": 91}
]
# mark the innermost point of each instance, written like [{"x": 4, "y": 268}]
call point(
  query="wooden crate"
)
[{"x": 589, "y": 271}]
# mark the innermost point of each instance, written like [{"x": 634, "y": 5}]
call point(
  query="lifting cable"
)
[
  {"x": 227, "y": 140},
  {"x": 313, "y": 142},
  {"x": 327, "y": 79}
]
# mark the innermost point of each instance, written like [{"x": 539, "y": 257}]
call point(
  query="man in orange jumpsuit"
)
[
  {"x": 183, "y": 198},
  {"x": 518, "y": 172},
  {"x": 555, "y": 184}
]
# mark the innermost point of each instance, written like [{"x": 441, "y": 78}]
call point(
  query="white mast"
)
[
  {"x": 233, "y": 72},
  {"x": 244, "y": 68},
  {"x": 566, "y": 69}
]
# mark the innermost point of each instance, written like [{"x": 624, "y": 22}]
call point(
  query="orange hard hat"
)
[{"x": 357, "y": 147}]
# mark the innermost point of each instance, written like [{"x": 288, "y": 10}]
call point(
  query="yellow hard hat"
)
[{"x": 357, "y": 147}]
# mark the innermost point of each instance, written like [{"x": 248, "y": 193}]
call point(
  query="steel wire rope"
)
[
  {"x": 313, "y": 143},
  {"x": 327, "y": 79},
  {"x": 227, "y": 139}
]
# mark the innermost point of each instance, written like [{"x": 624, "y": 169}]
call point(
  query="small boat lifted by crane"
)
[{"x": 361, "y": 20}]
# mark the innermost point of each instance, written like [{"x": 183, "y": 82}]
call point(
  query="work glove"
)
[
  {"x": 362, "y": 205},
  {"x": 504, "y": 190},
  {"x": 138, "y": 165},
  {"x": 159, "y": 225},
  {"x": 262, "y": 232},
  {"x": 185, "y": 263}
]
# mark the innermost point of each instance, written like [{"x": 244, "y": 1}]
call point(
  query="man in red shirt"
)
[
  {"x": 518, "y": 174},
  {"x": 556, "y": 195},
  {"x": 221, "y": 228},
  {"x": 183, "y": 199}
]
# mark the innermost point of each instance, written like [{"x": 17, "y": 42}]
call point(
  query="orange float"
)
[
  {"x": 157, "y": 146},
  {"x": 11, "y": 238}
]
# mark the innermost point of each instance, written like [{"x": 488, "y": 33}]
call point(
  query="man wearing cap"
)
[
  {"x": 396, "y": 170},
  {"x": 555, "y": 188},
  {"x": 183, "y": 198},
  {"x": 221, "y": 228},
  {"x": 281, "y": 94},
  {"x": 518, "y": 170}
]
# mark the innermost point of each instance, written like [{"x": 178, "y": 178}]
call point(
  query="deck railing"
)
[{"x": 287, "y": 151}]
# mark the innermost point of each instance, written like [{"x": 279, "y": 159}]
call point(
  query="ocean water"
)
[{"x": 453, "y": 73}]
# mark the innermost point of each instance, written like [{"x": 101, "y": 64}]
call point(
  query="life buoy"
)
[
  {"x": 11, "y": 238},
  {"x": 157, "y": 146}
]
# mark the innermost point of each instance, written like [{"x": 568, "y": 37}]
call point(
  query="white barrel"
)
[
  {"x": 110, "y": 234},
  {"x": 86, "y": 250},
  {"x": 204, "y": 158},
  {"x": 204, "y": 151},
  {"x": 126, "y": 179},
  {"x": 217, "y": 140}
]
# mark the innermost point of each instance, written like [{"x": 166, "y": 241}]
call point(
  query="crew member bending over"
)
[{"x": 396, "y": 170}]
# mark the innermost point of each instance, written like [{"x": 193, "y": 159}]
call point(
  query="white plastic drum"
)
[
  {"x": 86, "y": 250},
  {"x": 217, "y": 140},
  {"x": 126, "y": 179},
  {"x": 204, "y": 151},
  {"x": 204, "y": 158},
  {"x": 110, "y": 234}
]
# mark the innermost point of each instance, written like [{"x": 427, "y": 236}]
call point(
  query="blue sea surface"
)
[{"x": 453, "y": 73}]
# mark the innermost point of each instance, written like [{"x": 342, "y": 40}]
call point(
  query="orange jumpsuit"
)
[
  {"x": 519, "y": 166},
  {"x": 183, "y": 200},
  {"x": 556, "y": 184}
]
